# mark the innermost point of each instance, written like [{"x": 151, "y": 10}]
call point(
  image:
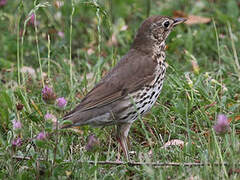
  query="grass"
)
[{"x": 187, "y": 108}]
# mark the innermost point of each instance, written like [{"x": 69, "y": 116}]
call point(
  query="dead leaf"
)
[
  {"x": 210, "y": 105},
  {"x": 192, "y": 19},
  {"x": 173, "y": 142},
  {"x": 233, "y": 171},
  {"x": 236, "y": 118},
  {"x": 77, "y": 130}
]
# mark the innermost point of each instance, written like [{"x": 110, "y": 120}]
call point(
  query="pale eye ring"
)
[{"x": 166, "y": 24}]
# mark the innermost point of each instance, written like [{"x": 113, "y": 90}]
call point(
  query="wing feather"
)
[{"x": 132, "y": 72}]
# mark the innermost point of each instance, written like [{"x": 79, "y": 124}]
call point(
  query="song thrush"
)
[{"x": 132, "y": 87}]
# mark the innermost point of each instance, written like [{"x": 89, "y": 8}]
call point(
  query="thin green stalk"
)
[
  {"x": 99, "y": 38},
  {"x": 49, "y": 51},
  {"x": 148, "y": 4},
  {"x": 219, "y": 60},
  {"x": 220, "y": 155},
  {"x": 95, "y": 164},
  {"x": 18, "y": 50},
  {"x": 34, "y": 10},
  {"x": 38, "y": 52},
  {"x": 70, "y": 47},
  {"x": 237, "y": 66},
  {"x": 22, "y": 46},
  {"x": 217, "y": 39}
]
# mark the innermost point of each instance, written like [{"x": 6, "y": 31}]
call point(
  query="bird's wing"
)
[{"x": 131, "y": 73}]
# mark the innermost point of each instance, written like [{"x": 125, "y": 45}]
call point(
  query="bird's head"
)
[
  {"x": 160, "y": 26},
  {"x": 155, "y": 29}
]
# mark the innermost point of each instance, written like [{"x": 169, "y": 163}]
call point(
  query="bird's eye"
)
[{"x": 166, "y": 24}]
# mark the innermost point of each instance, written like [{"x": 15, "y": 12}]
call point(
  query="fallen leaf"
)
[
  {"x": 210, "y": 105},
  {"x": 173, "y": 142},
  {"x": 236, "y": 118},
  {"x": 232, "y": 171},
  {"x": 192, "y": 19},
  {"x": 77, "y": 130}
]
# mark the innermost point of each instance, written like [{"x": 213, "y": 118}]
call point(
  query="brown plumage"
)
[{"x": 131, "y": 88}]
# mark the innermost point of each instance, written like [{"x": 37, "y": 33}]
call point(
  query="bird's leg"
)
[{"x": 122, "y": 133}]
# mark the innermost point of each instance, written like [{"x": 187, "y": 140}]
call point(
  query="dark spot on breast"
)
[
  {"x": 143, "y": 99},
  {"x": 144, "y": 104},
  {"x": 163, "y": 72},
  {"x": 144, "y": 94},
  {"x": 152, "y": 94},
  {"x": 157, "y": 56},
  {"x": 163, "y": 55},
  {"x": 157, "y": 78},
  {"x": 160, "y": 63}
]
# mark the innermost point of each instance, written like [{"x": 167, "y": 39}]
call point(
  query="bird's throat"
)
[{"x": 158, "y": 53}]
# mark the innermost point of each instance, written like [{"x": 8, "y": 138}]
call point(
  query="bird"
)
[{"x": 131, "y": 88}]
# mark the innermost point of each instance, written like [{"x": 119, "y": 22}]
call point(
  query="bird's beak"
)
[{"x": 179, "y": 21}]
